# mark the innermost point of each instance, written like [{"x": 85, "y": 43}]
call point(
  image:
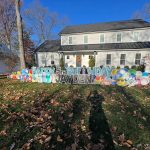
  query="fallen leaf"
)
[
  {"x": 122, "y": 138},
  {"x": 73, "y": 146},
  {"x": 59, "y": 139},
  {"x": 130, "y": 142},
  {"x": 70, "y": 115},
  {"x": 126, "y": 144},
  {"x": 48, "y": 139}
]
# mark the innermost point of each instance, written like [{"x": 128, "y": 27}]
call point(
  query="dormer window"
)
[
  {"x": 70, "y": 39},
  {"x": 119, "y": 37},
  {"x": 136, "y": 36},
  {"x": 85, "y": 39},
  {"x": 102, "y": 39}
]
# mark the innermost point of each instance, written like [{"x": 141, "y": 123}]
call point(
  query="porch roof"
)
[{"x": 107, "y": 46}]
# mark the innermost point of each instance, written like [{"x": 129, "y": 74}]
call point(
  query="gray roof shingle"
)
[
  {"x": 120, "y": 25},
  {"x": 49, "y": 46},
  {"x": 107, "y": 46}
]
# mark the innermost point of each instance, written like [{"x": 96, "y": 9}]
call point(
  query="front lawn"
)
[{"x": 59, "y": 116}]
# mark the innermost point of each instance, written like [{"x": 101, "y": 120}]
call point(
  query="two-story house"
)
[{"x": 122, "y": 43}]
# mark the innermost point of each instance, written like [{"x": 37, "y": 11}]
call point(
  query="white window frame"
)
[
  {"x": 137, "y": 59},
  {"x": 69, "y": 40},
  {"x": 100, "y": 38},
  {"x": 108, "y": 59},
  {"x": 123, "y": 59},
  {"x": 134, "y": 39},
  {"x": 117, "y": 37},
  {"x": 85, "y": 36}
]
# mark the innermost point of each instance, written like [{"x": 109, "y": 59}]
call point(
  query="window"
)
[
  {"x": 108, "y": 59},
  {"x": 119, "y": 37},
  {"x": 138, "y": 59},
  {"x": 52, "y": 57},
  {"x": 70, "y": 40},
  {"x": 122, "y": 59},
  {"x": 136, "y": 36},
  {"x": 102, "y": 39},
  {"x": 85, "y": 39},
  {"x": 52, "y": 62},
  {"x": 68, "y": 57}
]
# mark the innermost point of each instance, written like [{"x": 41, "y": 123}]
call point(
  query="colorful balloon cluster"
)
[
  {"x": 41, "y": 75},
  {"x": 131, "y": 77},
  {"x": 120, "y": 77}
]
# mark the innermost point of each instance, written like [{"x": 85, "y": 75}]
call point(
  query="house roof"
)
[
  {"x": 107, "y": 46},
  {"x": 119, "y": 25},
  {"x": 49, "y": 46}
]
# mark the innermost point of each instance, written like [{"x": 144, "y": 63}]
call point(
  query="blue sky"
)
[{"x": 92, "y": 11}]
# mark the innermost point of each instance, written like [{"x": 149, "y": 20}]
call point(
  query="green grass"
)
[{"x": 59, "y": 116}]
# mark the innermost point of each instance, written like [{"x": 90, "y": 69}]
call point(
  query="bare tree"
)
[
  {"x": 144, "y": 13},
  {"x": 42, "y": 21},
  {"x": 20, "y": 34},
  {"x": 7, "y": 21}
]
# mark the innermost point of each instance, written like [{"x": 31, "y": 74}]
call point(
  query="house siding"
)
[
  {"x": 47, "y": 56},
  {"x": 115, "y": 59},
  {"x": 110, "y": 37}
]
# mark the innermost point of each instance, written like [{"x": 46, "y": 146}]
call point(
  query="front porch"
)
[{"x": 77, "y": 59}]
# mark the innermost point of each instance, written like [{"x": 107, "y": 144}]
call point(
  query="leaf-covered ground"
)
[{"x": 69, "y": 117}]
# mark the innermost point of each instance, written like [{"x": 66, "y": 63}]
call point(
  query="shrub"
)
[
  {"x": 141, "y": 68},
  {"x": 133, "y": 67},
  {"x": 127, "y": 67},
  {"x": 92, "y": 62},
  {"x": 62, "y": 64},
  {"x": 118, "y": 67}
]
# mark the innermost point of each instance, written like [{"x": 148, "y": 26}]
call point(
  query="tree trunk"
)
[{"x": 20, "y": 34}]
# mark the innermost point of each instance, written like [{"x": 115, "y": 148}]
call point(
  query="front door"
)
[{"x": 78, "y": 60}]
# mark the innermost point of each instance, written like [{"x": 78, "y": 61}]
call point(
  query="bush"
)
[
  {"x": 118, "y": 67},
  {"x": 127, "y": 67},
  {"x": 141, "y": 68},
  {"x": 62, "y": 64},
  {"x": 133, "y": 67},
  {"x": 92, "y": 62}
]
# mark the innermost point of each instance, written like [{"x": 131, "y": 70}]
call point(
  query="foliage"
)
[
  {"x": 28, "y": 48},
  {"x": 62, "y": 63},
  {"x": 91, "y": 62},
  {"x": 127, "y": 67},
  {"x": 118, "y": 67},
  {"x": 133, "y": 67},
  {"x": 140, "y": 68}
]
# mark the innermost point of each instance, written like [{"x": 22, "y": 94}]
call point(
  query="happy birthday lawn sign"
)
[{"x": 97, "y": 75}]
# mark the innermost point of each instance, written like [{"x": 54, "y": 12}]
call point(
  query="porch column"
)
[{"x": 95, "y": 55}]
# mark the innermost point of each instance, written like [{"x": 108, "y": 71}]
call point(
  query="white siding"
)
[
  {"x": 110, "y": 37},
  {"x": 47, "y": 57},
  {"x": 115, "y": 57}
]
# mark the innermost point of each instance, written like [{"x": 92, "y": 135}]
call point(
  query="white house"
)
[{"x": 122, "y": 43}]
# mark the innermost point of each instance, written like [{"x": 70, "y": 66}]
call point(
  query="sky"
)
[{"x": 92, "y": 11}]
